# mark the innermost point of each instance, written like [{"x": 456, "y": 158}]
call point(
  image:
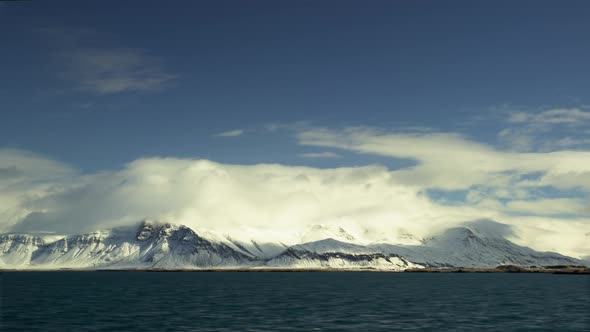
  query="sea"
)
[{"x": 292, "y": 301}]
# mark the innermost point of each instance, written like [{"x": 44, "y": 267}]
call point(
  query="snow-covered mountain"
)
[
  {"x": 320, "y": 232},
  {"x": 466, "y": 247},
  {"x": 153, "y": 245},
  {"x": 330, "y": 253}
]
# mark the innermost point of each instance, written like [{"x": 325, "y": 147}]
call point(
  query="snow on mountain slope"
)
[
  {"x": 358, "y": 234},
  {"x": 480, "y": 244},
  {"x": 320, "y": 232},
  {"x": 162, "y": 245},
  {"x": 333, "y": 254},
  {"x": 152, "y": 245},
  {"x": 17, "y": 249},
  {"x": 332, "y": 245},
  {"x": 254, "y": 248}
]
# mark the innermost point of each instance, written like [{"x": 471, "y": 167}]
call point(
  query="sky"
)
[{"x": 389, "y": 115}]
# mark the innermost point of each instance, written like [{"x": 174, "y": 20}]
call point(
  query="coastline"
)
[{"x": 583, "y": 270}]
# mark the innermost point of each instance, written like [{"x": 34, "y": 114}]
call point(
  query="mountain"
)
[
  {"x": 474, "y": 246},
  {"x": 320, "y": 232},
  {"x": 330, "y": 253},
  {"x": 153, "y": 245},
  {"x": 258, "y": 250}
]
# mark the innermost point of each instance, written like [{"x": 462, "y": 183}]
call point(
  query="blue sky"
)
[
  {"x": 217, "y": 66},
  {"x": 386, "y": 115}
]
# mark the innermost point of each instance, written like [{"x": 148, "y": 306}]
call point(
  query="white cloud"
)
[
  {"x": 550, "y": 206},
  {"x": 570, "y": 116},
  {"x": 202, "y": 193},
  {"x": 518, "y": 139},
  {"x": 551, "y": 234},
  {"x": 449, "y": 161},
  {"x": 535, "y": 138},
  {"x": 523, "y": 138},
  {"x": 372, "y": 202},
  {"x": 544, "y": 131},
  {"x": 325, "y": 154},
  {"x": 16, "y": 165},
  {"x": 565, "y": 143},
  {"x": 231, "y": 133},
  {"x": 25, "y": 177}
]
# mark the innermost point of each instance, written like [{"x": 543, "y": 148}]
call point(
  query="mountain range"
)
[{"x": 155, "y": 245}]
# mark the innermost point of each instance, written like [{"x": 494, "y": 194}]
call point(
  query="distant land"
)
[
  {"x": 166, "y": 247},
  {"x": 559, "y": 269}
]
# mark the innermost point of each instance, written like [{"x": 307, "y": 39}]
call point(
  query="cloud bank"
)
[
  {"x": 278, "y": 202},
  {"x": 448, "y": 161}
]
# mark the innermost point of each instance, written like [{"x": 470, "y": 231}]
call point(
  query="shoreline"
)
[{"x": 500, "y": 269}]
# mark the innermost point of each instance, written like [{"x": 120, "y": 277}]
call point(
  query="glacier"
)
[{"x": 157, "y": 245}]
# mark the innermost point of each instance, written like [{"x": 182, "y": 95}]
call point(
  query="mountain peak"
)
[
  {"x": 320, "y": 232},
  {"x": 149, "y": 229}
]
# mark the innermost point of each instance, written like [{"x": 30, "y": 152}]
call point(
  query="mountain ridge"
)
[{"x": 158, "y": 245}]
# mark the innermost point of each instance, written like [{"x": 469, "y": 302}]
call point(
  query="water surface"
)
[{"x": 292, "y": 301}]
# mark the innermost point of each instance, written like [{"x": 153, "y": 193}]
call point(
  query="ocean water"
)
[{"x": 292, "y": 301}]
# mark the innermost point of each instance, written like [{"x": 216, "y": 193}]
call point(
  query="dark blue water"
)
[{"x": 282, "y": 301}]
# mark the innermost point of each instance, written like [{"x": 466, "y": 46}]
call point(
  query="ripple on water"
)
[{"x": 265, "y": 301}]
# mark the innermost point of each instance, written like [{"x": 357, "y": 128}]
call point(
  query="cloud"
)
[
  {"x": 206, "y": 194},
  {"x": 104, "y": 69},
  {"x": 566, "y": 143},
  {"x": 449, "y": 161},
  {"x": 514, "y": 186},
  {"x": 549, "y": 130},
  {"x": 563, "y": 206},
  {"x": 326, "y": 154},
  {"x": 18, "y": 165},
  {"x": 263, "y": 201},
  {"x": 570, "y": 116},
  {"x": 25, "y": 177},
  {"x": 108, "y": 71},
  {"x": 519, "y": 139},
  {"x": 231, "y": 133}
]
